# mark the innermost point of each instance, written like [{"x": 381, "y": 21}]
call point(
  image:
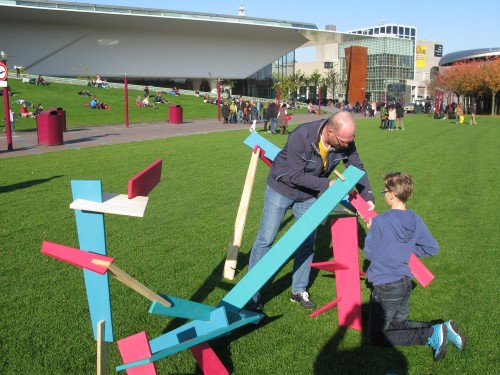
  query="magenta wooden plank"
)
[
  {"x": 325, "y": 308},
  {"x": 421, "y": 273},
  {"x": 145, "y": 181},
  {"x": 207, "y": 360},
  {"x": 329, "y": 266},
  {"x": 345, "y": 251},
  {"x": 134, "y": 348},
  {"x": 76, "y": 257}
]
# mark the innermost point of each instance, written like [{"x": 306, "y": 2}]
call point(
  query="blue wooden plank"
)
[
  {"x": 218, "y": 319},
  {"x": 182, "y": 308},
  {"x": 190, "y": 343},
  {"x": 92, "y": 237},
  {"x": 284, "y": 248},
  {"x": 271, "y": 149}
]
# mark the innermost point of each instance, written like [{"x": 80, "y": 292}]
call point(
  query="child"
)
[{"x": 393, "y": 236}]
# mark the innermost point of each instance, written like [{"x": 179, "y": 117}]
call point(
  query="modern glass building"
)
[{"x": 391, "y": 60}]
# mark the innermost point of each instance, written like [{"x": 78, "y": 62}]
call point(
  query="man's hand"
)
[{"x": 372, "y": 205}]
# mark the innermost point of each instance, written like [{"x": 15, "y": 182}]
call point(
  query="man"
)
[
  {"x": 272, "y": 115},
  {"x": 298, "y": 175}
]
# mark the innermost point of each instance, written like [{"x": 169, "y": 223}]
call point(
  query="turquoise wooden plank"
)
[
  {"x": 256, "y": 140},
  {"x": 218, "y": 319},
  {"x": 284, "y": 248},
  {"x": 190, "y": 343},
  {"x": 92, "y": 237},
  {"x": 182, "y": 308}
]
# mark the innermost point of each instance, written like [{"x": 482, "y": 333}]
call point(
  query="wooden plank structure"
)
[
  {"x": 346, "y": 267},
  {"x": 241, "y": 217},
  {"x": 421, "y": 273}
]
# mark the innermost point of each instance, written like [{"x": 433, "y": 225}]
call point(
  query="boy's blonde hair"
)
[{"x": 401, "y": 184}]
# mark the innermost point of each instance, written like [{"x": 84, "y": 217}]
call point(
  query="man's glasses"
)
[
  {"x": 343, "y": 141},
  {"x": 384, "y": 192}
]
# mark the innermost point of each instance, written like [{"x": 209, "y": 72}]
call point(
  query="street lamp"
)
[{"x": 4, "y": 72}]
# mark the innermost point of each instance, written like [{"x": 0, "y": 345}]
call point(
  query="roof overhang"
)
[{"x": 73, "y": 42}]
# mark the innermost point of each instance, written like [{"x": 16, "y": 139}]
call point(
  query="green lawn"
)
[
  {"x": 180, "y": 245},
  {"x": 59, "y": 95}
]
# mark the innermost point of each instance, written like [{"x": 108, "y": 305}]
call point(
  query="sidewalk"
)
[{"x": 26, "y": 142}]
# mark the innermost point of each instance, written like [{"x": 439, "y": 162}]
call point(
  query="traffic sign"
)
[{"x": 3, "y": 71}]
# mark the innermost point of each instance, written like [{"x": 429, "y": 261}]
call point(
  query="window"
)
[
  {"x": 382, "y": 30},
  {"x": 401, "y": 31},
  {"x": 376, "y": 30},
  {"x": 394, "y": 29}
]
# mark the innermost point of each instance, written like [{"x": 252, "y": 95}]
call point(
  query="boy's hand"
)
[
  {"x": 371, "y": 204},
  {"x": 369, "y": 223}
]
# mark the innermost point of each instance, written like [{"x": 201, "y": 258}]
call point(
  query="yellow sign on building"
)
[{"x": 421, "y": 50}]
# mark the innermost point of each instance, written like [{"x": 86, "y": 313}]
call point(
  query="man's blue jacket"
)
[{"x": 297, "y": 170}]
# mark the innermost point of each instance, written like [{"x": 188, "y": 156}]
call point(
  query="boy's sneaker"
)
[
  {"x": 256, "y": 303},
  {"x": 303, "y": 299},
  {"x": 454, "y": 335},
  {"x": 437, "y": 341}
]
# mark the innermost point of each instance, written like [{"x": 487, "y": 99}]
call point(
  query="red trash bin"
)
[
  {"x": 62, "y": 116},
  {"x": 49, "y": 129},
  {"x": 175, "y": 114}
]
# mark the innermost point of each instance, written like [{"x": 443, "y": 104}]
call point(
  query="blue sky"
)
[{"x": 457, "y": 24}]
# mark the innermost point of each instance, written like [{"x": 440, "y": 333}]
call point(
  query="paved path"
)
[{"x": 26, "y": 142}]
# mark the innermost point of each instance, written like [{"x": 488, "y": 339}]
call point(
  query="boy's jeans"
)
[{"x": 389, "y": 308}]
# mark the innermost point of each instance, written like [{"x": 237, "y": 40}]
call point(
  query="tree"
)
[
  {"x": 314, "y": 80},
  {"x": 295, "y": 80},
  {"x": 331, "y": 80},
  {"x": 490, "y": 76}
]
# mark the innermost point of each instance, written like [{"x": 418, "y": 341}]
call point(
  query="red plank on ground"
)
[
  {"x": 145, "y": 181},
  {"x": 135, "y": 348}
]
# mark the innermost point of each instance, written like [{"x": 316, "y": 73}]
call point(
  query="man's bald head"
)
[{"x": 343, "y": 125}]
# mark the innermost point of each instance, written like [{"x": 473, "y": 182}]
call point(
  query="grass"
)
[
  {"x": 60, "y": 95},
  {"x": 180, "y": 245}
]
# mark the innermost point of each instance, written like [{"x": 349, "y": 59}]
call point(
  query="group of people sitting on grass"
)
[
  {"x": 99, "y": 82},
  {"x": 25, "y": 109},
  {"x": 95, "y": 104}
]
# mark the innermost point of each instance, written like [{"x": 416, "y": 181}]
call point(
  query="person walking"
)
[
  {"x": 272, "y": 115},
  {"x": 400, "y": 113},
  {"x": 473, "y": 111},
  {"x": 299, "y": 173}
]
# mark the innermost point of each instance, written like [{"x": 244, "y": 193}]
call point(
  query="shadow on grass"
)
[
  {"x": 365, "y": 359},
  {"x": 26, "y": 184}
]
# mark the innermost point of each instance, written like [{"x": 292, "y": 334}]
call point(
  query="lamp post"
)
[
  {"x": 218, "y": 99},
  {"x": 279, "y": 94},
  {"x": 125, "y": 91},
  {"x": 319, "y": 100},
  {"x": 4, "y": 72}
]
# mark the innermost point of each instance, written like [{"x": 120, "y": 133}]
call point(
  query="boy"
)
[{"x": 393, "y": 236}]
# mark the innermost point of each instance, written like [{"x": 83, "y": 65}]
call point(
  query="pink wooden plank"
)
[
  {"x": 325, "y": 308},
  {"x": 145, "y": 181},
  {"x": 207, "y": 360},
  {"x": 75, "y": 257},
  {"x": 134, "y": 348},
  {"x": 263, "y": 156},
  {"x": 345, "y": 251},
  {"x": 423, "y": 275},
  {"x": 329, "y": 266}
]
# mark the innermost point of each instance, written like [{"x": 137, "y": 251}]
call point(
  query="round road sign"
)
[{"x": 3, "y": 71}]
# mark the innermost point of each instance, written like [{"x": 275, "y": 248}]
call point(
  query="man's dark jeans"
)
[{"x": 389, "y": 308}]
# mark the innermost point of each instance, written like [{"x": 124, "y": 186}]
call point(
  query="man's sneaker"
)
[
  {"x": 256, "y": 303},
  {"x": 303, "y": 299},
  {"x": 437, "y": 341},
  {"x": 454, "y": 335}
]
